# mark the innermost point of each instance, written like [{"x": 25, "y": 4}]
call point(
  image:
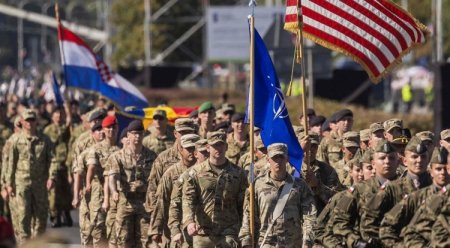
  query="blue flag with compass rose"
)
[{"x": 271, "y": 114}]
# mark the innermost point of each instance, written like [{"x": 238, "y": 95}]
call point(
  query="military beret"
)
[
  {"x": 415, "y": 145},
  {"x": 367, "y": 156},
  {"x": 326, "y": 125},
  {"x": 222, "y": 126},
  {"x": 425, "y": 135},
  {"x": 205, "y": 107},
  {"x": 123, "y": 134},
  {"x": 309, "y": 112},
  {"x": 259, "y": 143},
  {"x": 445, "y": 134},
  {"x": 277, "y": 149},
  {"x": 97, "y": 125},
  {"x": 384, "y": 146},
  {"x": 337, "y": 116},
  {"x": 374, "y": 127},
  {"x": 439, "y": 156},
  {"x": 184, "y": 124},
  {"x": 364, "y": 135},
  {"x": 135, "y": 125},
  {"x": 188, "y": 140},
  {"x": 97, "y": 114},
  {"x": 238, "y": 117},
  {"x": 392, "y": 123},
  {"x": 28, "y": 114},
  {"x": 200, "y": 145},
  {"x": 316, "y": 120},
  {"x": 351, "y": 139},
  {"x": 193, "y": 114},
  {"x": 160, "y": 113},
  {"x": 109, "y": 121},
  {"x": 216, "y": 137}
]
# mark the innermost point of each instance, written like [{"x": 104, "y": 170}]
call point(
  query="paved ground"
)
[{"x": 70, "y": 233}]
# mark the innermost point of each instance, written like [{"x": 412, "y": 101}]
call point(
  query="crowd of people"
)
[{"x": 186, "y": 184}]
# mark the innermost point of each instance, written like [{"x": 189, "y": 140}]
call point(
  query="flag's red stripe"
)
[
  {"x": 291, "y": 18},
  {"x": 361, "y": 24},
  {"x": 380, "y": 22},
  {"x": 67, "y": 35},
  {"x": 348, "y": 32},
  {"x": 291, "y": 3}
]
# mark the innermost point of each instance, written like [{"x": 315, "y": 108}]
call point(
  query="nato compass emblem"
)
[{"x": 279, "y": 106}]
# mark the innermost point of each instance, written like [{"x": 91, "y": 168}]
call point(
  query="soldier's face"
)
[
  {"x": 111, "y": 131},
  {"x": 135, "y": 137},
  {"x": 201, "y": 156},
  {"x": 357, "y": 174},
  {"x": 368, "y": 171},
  {"x": 277, "y": 163},
  {"x": 206, "y": 116},
  {"x": 217, "y": 150},
  {"x": 439, "y": 174},
  {"x": 416, "y": 163},
  {"x": 187, "y": 154},
  {"x": 28, "y": 124},
  {"x": 239, "y": 126},
  {"x": 56, "y": 117},
  {"x": 98, "y": 135},
  {"x": 316, "y": 129},
  {"x": 159, "y": 122},
  {"x": 345, "y": 124},
  {"x": 385, "y": 164}
]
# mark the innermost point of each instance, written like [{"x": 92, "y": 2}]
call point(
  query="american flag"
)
[{"x": 375, "y": 33}]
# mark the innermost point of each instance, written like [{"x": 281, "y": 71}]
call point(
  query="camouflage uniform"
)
[
  {"x": 30, "y": 164},
  {"x": 112, "y": 211},
  {"x": 132, "y": 171},
  {"x": 5, "y": 133},
  {"x": 60, "y": 195},
  {"x": 215, "y": 202},
  {"x": 159, "y": 144},
  {"x": 323, "y": 230},
  {"x": 75, "y": 132},
  {"x": 299, "y": 213},
  {"x": 440, "y": 232},
  {"x": 330, "y": 149},
  {"x": 98, "y": 155},
  {"x": 6, "y": 209},
  {"x": 235, "y": 150}
]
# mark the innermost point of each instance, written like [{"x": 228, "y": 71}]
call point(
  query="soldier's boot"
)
[
  {"x": 67, "y": 219},
  {"x": 55, "y": 221}
]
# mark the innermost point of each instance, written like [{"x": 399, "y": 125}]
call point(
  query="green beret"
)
[{"x": 205, "y": 107}]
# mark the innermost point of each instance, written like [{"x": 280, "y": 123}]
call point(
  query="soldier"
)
[
  {"x": 166, "y": 159},
  {"x": 347, "y": 213},
  {"x": 392, "y": 128},
  {"x": 309, "y": 114},
  {"x": 280, "y": 216},
  {"x": 400, "y": 144},
  {"x": 227, "y": 112},
  {"x": 376, "y": 134},
  {"x": 330, "y": 149},
  {"x": 5, "y": 133},
  {"x": 315, "y": 124},
  {"x": 130, "y": 169},
  {"x": 364, "y": 136},
  {"x": 194, "y": 117},
  {"x": 388, "y": 195},
  {"x": 96, "y": 188},
  {"x": 31, "y": 172},
  {"x": 201, "y": 152},
  {"x": 213, "y": 198},
  {"x": 161, "y": 211},
  {"x": 395, "y": 221},
  {"x": 441, "y": 229},
  {"x": 445, "y": 139},
  {"x": 60, "y": 196},
  {"x": 427, "y": 138},
  {"x": 161, "y": 134},
  {"x": 321, "y": 177},
  {"x": 260, "y": 163},
  {"x": 238, "y": 140},
  {"x": 350, "y": 147},
  {"x": 206, "y": 114}
]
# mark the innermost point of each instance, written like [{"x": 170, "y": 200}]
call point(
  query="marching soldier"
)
[
  {"x": 206, "y": 115},
  {"x": 364, "y": 136},
  {"x": 350, "y": 147},
  {"x": 284, "y": 206},
  {"x": 441, "y": 229},
  {"x": 238, "y": 140},
  {"x": 201, "y": 151},
  {"x": 5, "y": 133},
  {"x": 161, "y": 133},
  {"x": 376, "y": 134},
  {"x": 130, "y": 169},
  {"x": 213, "y": 198},
  {"x": 392, "y": 128}
]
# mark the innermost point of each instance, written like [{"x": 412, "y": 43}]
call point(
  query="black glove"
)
[{"x": 360, "y": 244}]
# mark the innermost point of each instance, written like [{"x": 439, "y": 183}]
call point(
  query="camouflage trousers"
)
[
  {"x": 29, "y": 211},
  {"x": 59, "y": 197},
  {"x": 86, "y": 238},
  {"x": 227, "y": 241},
  {"x": 132, "y": 221},
  {"x": 97, "y": 216},
  {"x": 110, "y": 224}
]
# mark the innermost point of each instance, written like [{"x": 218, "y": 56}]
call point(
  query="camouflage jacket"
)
[
  {"x": 235, "y": 150},
  {"x": 385, "y": 199},
  {"x": 393, "y": 225},
  {"x": 159, "y": 144},
  {"x": 5, "y": 133},
  {"x": 4, "y": 162},
  {"x": 75, "y": 132},
  {"x": 330, "y": 149},
  {"x": 214, "y": 201},
  {"x": 418, "y": 231},
  {"x": 81, "y": 144},
  {"x": 323, "y": 230},
  {"x": 164, "y": 160},
  {"x": 293, "y": 227},
  {"x": 98, "y": 155},
  {"x": 30, "y": 161},
  {"x": 342, "y": 170},
  {"x": 176, "y": 208},
  {"x": 59, "y": 135},
  {"x": 440, "y": 232}
]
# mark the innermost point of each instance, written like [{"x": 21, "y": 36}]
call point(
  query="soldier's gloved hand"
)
[
  {"x": 192, "y": 229},
  {"x": 178, "y": 238},
  {"x": 157, "y": 238},
  {"x": 360, "y": 244},
  {"x": 10, "y": 191},
  {"x": 50, "y": 184}
]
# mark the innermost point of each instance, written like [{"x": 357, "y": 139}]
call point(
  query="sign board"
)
[{"x": 227, "y": 28}]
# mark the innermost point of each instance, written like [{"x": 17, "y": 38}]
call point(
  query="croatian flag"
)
[{"x": 86, "y": 71}]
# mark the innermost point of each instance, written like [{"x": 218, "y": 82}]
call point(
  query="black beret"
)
[
  {"x": 317, "y": 120},
  {"x": 97, "y": 125},
  {"x": 238, "y": 117},
  {"x": 337, "y": 116},
  {"x": 123, "y": 134},
  {"x": 326, "y": 125},
  {"x": 223, "y": 125},
  {"x": 135, "y": 125},
  {"x": 309, "y": 112},
  {"x": 97, "y": 115},
  {"x": 193, "y": 114}
]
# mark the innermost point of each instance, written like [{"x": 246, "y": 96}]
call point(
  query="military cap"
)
[
  {"x": 377, "y": 126},
  {"x": 392, "y": 123},
  {"x": 184, "y": 124},
  {"x": 351, "y": 139},
  {"x": 188, "y": 140},
  {"x": 135, "y": 125},
  {"x": 200, "y": 145},
  {"x": 337, "y": 116},
  {"x": 219, "y": 113},
  {"x": 259, "y": 143},
  {"x": 109, "y": 121},
  {"x": 238, "y": 117},
  {"x": 160, "y": 113},
  {"x": 123, "y": 134},
  {"x": 277, "y": 149},
  {"x": 326, "y": 125},
  {"x": 97, "y": 125},
  {"x": 316, "y": 120},
  {"x": 205, "y": 107},
  {"x": 222, "y": 126},
  {"x": 216, "y": 137},
  {"x": 364, "y": 135},
  {"x": 439, "y": 156},
  {"x": 355, "y": 162},
  {"x": 425, "y": 135},
  {"x": 415, "y": 145},
  {"x": 193, "y": 114},
  {"x": 384, "y": 146},
  {"x": 314, "y": 138},
  {"x": 97, "y": 114},
  {"x": 367, "y": 156},
  {"x": 227, "y": 107},
  {"x": 309, "y": 112},
  {"x": 445, "y": 134},
  {"x": 28, "y": 114}
]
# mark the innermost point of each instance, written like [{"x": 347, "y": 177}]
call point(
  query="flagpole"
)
[
  {"x": 59, "y": 34},
  {"x": 252, "y": 124}
]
